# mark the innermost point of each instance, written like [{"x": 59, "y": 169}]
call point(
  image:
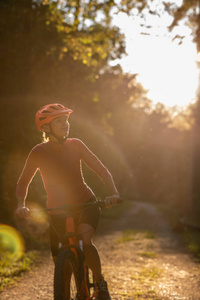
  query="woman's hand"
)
[
  {"x": 23, "y": 212},
  {"x": 112, "y": 200}
]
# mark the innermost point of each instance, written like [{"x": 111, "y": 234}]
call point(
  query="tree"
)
[
  {"x": 61, "y": 50},
  {"x": 189, "y": 12},
  {"x": 35, "y": 34}
]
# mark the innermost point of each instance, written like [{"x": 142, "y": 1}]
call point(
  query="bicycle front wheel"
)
[{"x": 67, "y": 284}]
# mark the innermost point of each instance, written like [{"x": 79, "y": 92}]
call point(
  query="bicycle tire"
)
[{"x": 67, "y": 284}]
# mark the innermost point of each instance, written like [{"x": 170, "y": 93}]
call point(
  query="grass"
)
[
  {"x": 127, "y": 236},
  {"x": 11, "y": 268},
  {"x": 142, "y": 286},
  {"x": 147, "y": 274},
  {"x": 131, "y": 234},
  {"x": 150, "y": 234},
  {"x": 149, "y": 254},
  {"x": 192, "y": 242},
  {"x": 190, "y": 236},
  {"x": 151, "y": 273}
]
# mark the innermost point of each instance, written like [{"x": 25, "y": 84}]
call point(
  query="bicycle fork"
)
[{"x": 84, "y": 289}]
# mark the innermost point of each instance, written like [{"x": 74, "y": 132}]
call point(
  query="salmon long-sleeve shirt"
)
[{"x": 61, "y": 171}]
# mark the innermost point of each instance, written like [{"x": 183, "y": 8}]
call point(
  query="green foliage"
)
[
  {"x": 39, "y": 38},
  {"x": 11, "y": 269},
  {"x": 187, "y": 11},
  {"x": 191, "y": 239}
]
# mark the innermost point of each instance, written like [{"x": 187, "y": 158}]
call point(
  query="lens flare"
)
[
  {"x": 11, "y": 241},
  {"x": 38, "y": 215}
]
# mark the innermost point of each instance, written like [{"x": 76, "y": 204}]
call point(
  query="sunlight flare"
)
[
  {"x": 167, "y": 69},
  {"x": 11, "y": 240}
]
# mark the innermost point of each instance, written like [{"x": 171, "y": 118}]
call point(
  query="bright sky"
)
[{"x": 166, "y": 69}]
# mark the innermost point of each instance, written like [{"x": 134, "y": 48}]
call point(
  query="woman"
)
[{"x": 58, "y": 160}]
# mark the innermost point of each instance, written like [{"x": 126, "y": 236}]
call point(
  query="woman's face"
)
[{"x": 60, "y": 126}]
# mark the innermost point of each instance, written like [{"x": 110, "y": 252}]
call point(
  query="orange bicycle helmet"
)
[{"x": 49, "y": 112}]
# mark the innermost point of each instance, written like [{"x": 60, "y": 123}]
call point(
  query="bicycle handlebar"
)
[{"x": 99, "y": 203}]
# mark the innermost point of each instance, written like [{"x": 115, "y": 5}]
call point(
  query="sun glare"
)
[
  {"x": 166, "y": 69},
  {"x": 11, "y": 241}
]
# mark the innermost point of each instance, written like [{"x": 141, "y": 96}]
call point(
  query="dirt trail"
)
[{"x": 141, "y": 260}]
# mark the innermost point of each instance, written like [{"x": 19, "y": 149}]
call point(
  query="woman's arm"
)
[
  {"x": 93, "y": 162},
  {"x": 25, "y": 179}
]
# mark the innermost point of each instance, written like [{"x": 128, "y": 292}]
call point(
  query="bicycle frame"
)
[{"x": 73, "y": 244}]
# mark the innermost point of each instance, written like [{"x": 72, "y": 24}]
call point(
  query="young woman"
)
[{"x": 58, "y": 160}]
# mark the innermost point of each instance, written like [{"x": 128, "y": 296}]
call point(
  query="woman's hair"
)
[{"x": 45, "y": 137}]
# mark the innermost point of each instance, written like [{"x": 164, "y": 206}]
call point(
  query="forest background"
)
[{"x": 60, "y": 51}]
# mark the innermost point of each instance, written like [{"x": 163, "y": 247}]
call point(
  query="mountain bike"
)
[{"x": 73, "y": 280}]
